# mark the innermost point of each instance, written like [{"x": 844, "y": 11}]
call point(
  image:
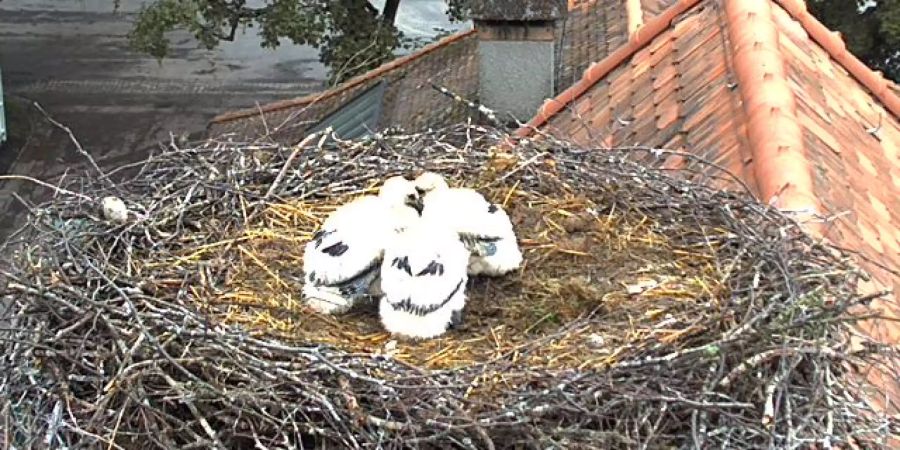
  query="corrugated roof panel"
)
[{"x": 358, "y": 117}]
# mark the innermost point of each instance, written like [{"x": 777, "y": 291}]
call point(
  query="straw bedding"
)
[{"x": 650, "y": 312}]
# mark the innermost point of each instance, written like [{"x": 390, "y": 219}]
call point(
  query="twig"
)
[
  {"x": 56, "y": 189},
  {"x": 487, "y": 112},
  {"x": 769, "y": 354},
  {"x": 768, "y": 418},
  {"x": 74, "y": 140},
  {"x": 173, "y": 332},
  {"x": 287, "y": 163},
  {"x": 203, "y": 422}
]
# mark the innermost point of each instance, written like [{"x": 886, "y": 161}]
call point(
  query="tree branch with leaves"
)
[{"x": 351, "y": 35}]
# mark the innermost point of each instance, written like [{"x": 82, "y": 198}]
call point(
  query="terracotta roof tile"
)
[
  {"x": 692, "y": 42},
  {"x": 821, "y": 133},
  {"x": 667, "y": 114},
  {"x": 761, "y": 88},
  {"x": 888, "y": 238},
  {"x": 775, "y": 136},
  {"x": 664, "y": 100},
  {"x": 859, "y": 176},
  {"x": 766, "y": 91},
  {"x": 654, "y": 7},
  {"x": 832, "y": 43},
  {"x": 667, "y": 73}
]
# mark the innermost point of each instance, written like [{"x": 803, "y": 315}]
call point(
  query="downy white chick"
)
[
  {"x": 484, "y": 227},
  {"x": 423, "y": 280},
  {"x": 342, "y": 261}
]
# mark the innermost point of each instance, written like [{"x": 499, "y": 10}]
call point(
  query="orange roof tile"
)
[
  {"x": 766, "y": 91},
  {"x": 852, "y": 140},
  {"x": 884, "y": 89},
  {"x": 760, "y": 88},
  {"x": 775, "y": 137},
  {"x": 675, "y": 90},
  {"x": 831, "y": 41},
  {"x": 598, "y": 70}
]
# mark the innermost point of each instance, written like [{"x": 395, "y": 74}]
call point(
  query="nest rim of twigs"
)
[{"x": 781, "y": 316}]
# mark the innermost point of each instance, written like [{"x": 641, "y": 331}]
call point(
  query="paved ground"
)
[{"x": 72, "y": 57}]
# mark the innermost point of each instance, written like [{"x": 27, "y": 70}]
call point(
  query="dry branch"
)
[{"x": 652, "y": 312}]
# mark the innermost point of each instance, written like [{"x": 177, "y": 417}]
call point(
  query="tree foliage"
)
[
  {"x": 352, "y": 35},
  {"x": 870, "y": 28}
]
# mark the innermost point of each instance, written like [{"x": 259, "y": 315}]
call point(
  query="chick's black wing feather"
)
[
  {"x": 433, "y": 268},
  {"x": 320, "y": 236},
  {"x": 402, "y": 263},
  {"x": 336, "y": 249}
]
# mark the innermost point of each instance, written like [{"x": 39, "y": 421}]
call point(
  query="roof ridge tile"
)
[
  {"x": 782, "y": 170},
  {"x": 883, "y": 89},
  {"x": 886, "y": 91}
]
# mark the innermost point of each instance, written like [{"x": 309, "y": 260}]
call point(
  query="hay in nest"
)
[
  {"x": 574, "y": 256},
  {"x": 650, "y": 312}
]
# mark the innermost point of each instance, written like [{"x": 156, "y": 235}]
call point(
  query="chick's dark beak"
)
[{"x": 415, "y": 202}]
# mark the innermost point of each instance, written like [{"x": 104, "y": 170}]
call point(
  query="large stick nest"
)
[{"x": 650, "y": 312}]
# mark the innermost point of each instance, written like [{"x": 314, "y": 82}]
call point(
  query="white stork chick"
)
[
  {"x": 484, "y": 227},
  {"x": 341, "y": 262},
  {"x": 114, "y": 209},
  {"x": 423, "y": 280}
]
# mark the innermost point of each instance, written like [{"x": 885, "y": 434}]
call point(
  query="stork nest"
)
[{"x": 650, "y": 311}]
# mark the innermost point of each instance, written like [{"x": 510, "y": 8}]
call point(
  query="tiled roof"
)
[
  {"x": 644, "y": 99},
  {"x": 760, "y": 88},
  {"x": 766, "y": 91},
  {"x": 409, "y": 102},
  {"x": 852, "y": 143},
  {"x": 652, "y": 8},
  {"x": 592, "y": 31}
]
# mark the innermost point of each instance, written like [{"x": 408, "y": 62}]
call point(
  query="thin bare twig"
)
[
  {"x": 56, "y": 189},
  {"x": 287, "y": 163},
  {"x": 77, "y": 144},
  {"x": 651, "y": 310}
]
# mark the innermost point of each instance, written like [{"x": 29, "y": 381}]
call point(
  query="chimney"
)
[{"x": 517, "y": 48}]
